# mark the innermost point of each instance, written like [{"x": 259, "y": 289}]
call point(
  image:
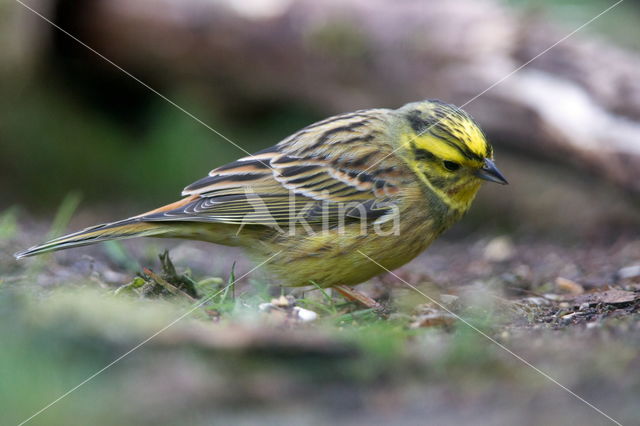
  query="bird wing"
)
[{"x": 340, "y": 168}]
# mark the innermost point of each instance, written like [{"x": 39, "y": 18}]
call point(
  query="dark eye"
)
[{"x": 451, "y": 166}]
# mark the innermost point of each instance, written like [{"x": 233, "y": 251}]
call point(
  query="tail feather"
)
[{"x": 128, "y": 228}]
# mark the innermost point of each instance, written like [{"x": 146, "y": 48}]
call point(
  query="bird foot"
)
[{"x": 362, "y": 299}]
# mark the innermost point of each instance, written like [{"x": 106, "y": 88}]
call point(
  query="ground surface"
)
[{"x": 494, "y": 310}]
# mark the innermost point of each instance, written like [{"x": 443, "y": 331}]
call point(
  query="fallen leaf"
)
[{"x": 610, "y": 297}]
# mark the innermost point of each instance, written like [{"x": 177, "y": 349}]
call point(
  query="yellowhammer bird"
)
[{"x": 379, "y": 182}]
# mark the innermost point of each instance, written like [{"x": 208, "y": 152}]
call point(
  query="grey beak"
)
[{"x": 491, "y": 173}]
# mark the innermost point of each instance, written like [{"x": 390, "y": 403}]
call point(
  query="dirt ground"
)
[{"x": 510, "y": 330}]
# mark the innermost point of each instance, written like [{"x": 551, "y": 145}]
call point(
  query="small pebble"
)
[
  {"x": 537, "y": 301},
  {"x": 433, "y": 320},
  {"x": 282, "y": 312},
  {"x": 283, "y": 301},
  {"x": 499, "y": 249},
  {"x": 552, "y": 296},
  {"x": 265, "y": 307},
  {"x": 566, "y": 285},
  {"x": 522, "y": 271},
  {"x": 305, "y": 315},
  {"x": 629, "y": 273},
  {"x": 448, "y": 299}
]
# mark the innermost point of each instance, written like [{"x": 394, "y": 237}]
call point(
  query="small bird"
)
[{"x": 339, "y": 202}]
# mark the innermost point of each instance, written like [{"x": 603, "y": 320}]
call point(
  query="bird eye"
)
[{"x": 451, "y": 166}]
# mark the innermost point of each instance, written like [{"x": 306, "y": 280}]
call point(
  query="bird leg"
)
[{"x": 354, "y": 296}]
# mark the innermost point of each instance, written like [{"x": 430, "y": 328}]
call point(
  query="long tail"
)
[{"x": 128, "y": 228}]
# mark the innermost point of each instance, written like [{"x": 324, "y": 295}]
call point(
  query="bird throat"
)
[{"x": 455, "y": 194}]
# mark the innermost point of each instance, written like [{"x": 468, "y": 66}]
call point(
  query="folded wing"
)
[{"x": 335, "y": 170}]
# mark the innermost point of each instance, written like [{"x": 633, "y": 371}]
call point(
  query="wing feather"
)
[{"x": 318, "y": 173}]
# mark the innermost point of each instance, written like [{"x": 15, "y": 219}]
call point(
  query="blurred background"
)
[
  {"x": 111, "y": 114},
  {"x": 565, "y": 127}
]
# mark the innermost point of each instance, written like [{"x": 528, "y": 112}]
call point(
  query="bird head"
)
[{"x": 447, "y": 149}]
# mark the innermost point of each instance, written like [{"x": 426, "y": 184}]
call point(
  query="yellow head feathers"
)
[
  {"x": 447, "y": 150},
  {"x": 445, "y": 131}
]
